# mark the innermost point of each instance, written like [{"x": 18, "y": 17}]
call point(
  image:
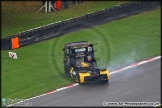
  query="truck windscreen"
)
[
  {"x": 80, "y": 50},
  {"x": 79, "y": 46}
]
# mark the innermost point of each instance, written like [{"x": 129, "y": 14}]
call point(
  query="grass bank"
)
[{"x": 18, "y": 16}]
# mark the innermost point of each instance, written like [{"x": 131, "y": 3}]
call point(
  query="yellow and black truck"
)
[{"x": 80, "y": 63}]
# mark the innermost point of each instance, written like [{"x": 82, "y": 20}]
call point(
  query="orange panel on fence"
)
[
  {"x": 15, "y": 42},
  {"x": 57, "y": 4}
]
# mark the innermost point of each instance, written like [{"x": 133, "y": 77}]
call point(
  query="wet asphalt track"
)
[{"x": 137, "y": 84}]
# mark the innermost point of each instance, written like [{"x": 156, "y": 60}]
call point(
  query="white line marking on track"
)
[
  {"x": 135, "y": 64},
  {"x": 75, "y": 84}
]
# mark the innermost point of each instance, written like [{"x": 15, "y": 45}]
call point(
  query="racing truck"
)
[{"x": 80, "y": 63}]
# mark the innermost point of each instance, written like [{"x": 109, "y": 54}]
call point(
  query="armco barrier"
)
[
  {"x": 6, "y": 43},
  {"x": 88, "y": 20}
]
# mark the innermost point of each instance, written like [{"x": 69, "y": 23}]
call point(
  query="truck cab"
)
[
  {"x": 80, "y": 63},
  {"x": 77, "y": 52}
]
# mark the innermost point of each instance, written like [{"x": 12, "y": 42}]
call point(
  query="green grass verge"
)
[
  {"x": 20, "y": 16},
  {"x": 39, "y": 67}
]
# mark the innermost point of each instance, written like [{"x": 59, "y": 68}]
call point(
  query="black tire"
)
[
  {"x": 78, "y": 78},
  {"x": 67, "y": 72},
  {"x": 104, "y": 81}
]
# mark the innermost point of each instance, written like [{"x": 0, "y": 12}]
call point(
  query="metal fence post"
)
[
  {"x": 49, "y": 6},
  {"x": 46, "y": 7}
]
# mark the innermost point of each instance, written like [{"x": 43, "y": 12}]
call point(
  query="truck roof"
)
[{"x": 76, "y": 43}]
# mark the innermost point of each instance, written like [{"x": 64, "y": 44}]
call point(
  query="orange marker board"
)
[
  {"x": 57, "y": 4},
  {"x": 15, "y": 42}
]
